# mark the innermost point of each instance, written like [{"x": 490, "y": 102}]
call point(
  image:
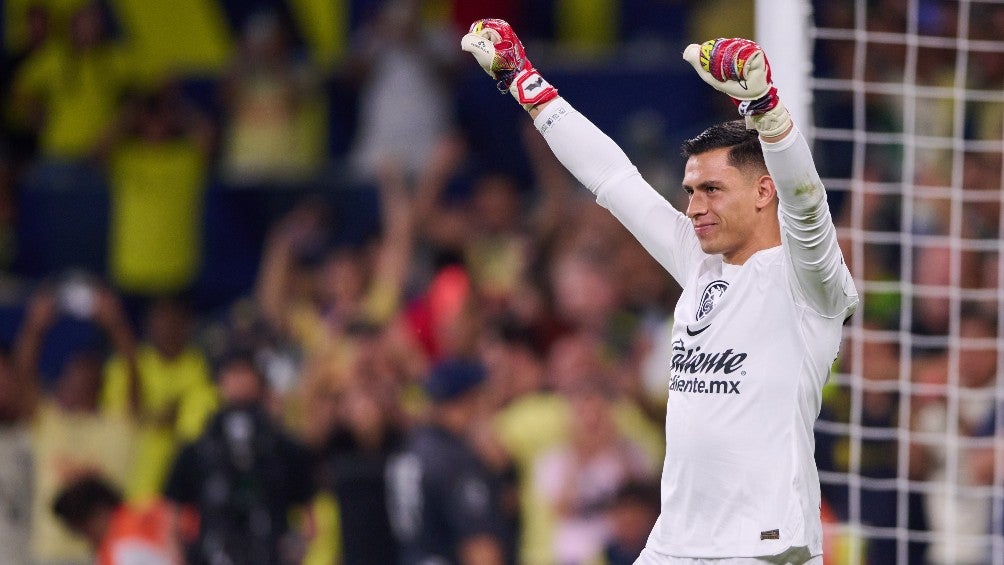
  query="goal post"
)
[{"x": 782, "y": 28}]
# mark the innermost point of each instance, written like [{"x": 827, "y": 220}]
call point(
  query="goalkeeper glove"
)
[
  {"x": 500, "y": 53},
  {"x": 738, "y": 67}
]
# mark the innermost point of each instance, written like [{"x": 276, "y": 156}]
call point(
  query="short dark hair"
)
[
  {"x": 82, "y": 498},
  {"x": 744, "y": 145},
  {"x": 240, "y": 355}
]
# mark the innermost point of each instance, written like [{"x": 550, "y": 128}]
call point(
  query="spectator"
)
[
  {"x": 311, "y": 293},
  {"x": 498, "y": 229},
  {"x": 275, "y": 122},
  {"x": 585, "y": 291},
  {"x": 158, "y": 153},
  {"x": 16, "y": 466},
  {"x": 514, "y": 357},
  {"x": 176, "y": 395},
  {"x": 955, "y": 509},
  {"x": 446, "y": 319},
  {"x": 496, "y": 251},
  {"x": 580, "y": 478},
  {"x": 70, "y": 90},
  {"x": 363, "y": 429},
  {"x": 632, "y": 513},
  {"x": 70, "y": 436},
  {"x": 488, "y": 250},
  {"x": 120, "y": 534},
  {"x": 403, "y": 64},
  {"x": 542, "y": 420},
  {"x": 244, "y": 476},
  {"x": 445, "y": 503}
]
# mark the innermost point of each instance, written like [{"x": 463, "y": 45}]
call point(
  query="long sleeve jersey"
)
[{"x": 752, "y": 345}]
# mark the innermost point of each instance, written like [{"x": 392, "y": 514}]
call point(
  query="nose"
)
[{"x": 696, "y": 206}]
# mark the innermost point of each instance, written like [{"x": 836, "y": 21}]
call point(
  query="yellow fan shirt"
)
[
  {"x": 156, "y": 215},
  {"x": 176, "y": 399}
]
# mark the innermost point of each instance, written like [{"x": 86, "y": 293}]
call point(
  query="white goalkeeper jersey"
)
[{"x": 751, "y": 349}]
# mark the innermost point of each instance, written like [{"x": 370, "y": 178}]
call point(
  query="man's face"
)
[
  {"x": 239, "y": 384},
  {"x": 722, "y": 205}
]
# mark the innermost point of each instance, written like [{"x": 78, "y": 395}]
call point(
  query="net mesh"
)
[{"x": 908, "y": 105}]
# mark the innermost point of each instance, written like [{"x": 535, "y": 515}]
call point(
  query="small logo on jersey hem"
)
[
  {"x": 770, "y": 534},
  {"x": 692, "y": 333}
]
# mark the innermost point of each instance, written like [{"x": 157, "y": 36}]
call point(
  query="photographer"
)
[{"x": 243, "y": 476}]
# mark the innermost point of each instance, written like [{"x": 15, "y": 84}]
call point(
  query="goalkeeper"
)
[{"x": 765, "y": 295}]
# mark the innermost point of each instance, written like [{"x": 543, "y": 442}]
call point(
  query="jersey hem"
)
[{"x": 722, "y": 553}]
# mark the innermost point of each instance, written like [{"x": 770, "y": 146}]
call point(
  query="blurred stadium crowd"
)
[{"x": 246, "y": 244}]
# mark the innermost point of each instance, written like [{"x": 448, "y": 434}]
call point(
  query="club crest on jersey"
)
[{"x": 711, "y": 294}]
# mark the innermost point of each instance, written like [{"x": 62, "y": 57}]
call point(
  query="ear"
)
[{"x": 766, "y": 192}]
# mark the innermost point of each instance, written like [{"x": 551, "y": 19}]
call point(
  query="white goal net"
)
[{"x": 907, "y": 101}]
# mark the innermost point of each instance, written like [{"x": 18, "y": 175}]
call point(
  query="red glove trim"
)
[{"x": 530, "y": 88}]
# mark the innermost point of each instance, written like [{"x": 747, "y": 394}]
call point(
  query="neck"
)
[{"x": 766, "y": 239}]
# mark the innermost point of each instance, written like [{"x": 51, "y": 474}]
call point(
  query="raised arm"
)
[
  {"x": 591, "y": 156},
  {"x": 110, "y": 315},
  {"x": 273, "y": 288},
  {"x": 40, "y": 314},
  {"x": 397, "y": 227},
  {"x": 739, "y": 68},
  {"x": 807, "y": 228}
]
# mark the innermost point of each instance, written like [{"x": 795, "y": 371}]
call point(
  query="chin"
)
[{"x": 710, "y": 249}]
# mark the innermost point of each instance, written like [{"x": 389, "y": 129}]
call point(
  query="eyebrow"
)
[{"x": 714, "y": 182}]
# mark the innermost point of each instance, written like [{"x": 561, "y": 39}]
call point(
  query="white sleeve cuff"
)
[{"x": 552, "y": 114}]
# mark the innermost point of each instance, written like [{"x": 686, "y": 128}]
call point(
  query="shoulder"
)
[
  {"x": 771, "y": 258},
  {"x": 429, "y": 441},
  {"x": 773, "y": 266},
  {"x": 439, "y": 451}
]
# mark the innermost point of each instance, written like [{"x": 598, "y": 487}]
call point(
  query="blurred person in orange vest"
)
[{"x": 119, "y": 533}]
